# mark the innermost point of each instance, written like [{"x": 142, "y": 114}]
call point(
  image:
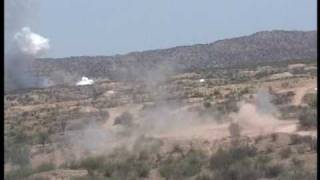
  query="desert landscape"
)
[{"x": 242, "y": 108}]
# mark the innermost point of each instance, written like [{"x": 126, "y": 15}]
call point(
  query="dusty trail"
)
[
  {"x": 301, "y": 90},
  {"x": 213, "y": 131}
]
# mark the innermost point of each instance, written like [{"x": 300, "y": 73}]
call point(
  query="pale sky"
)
[{"x": 108, "y": 27}]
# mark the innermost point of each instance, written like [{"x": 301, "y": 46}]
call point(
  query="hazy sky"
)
[{"x": 108, "y": 27}]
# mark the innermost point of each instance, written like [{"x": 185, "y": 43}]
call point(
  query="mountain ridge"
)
[{"x": 258, "y": 47}]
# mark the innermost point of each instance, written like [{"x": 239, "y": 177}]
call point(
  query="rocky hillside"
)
[{"x": 259, "y": 47}]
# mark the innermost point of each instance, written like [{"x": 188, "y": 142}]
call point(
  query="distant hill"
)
[{"x": 259, "y": 47}]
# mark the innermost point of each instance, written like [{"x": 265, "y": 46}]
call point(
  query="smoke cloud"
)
[
  {"x": 18, "y": 61},
  {"x": 22, "y": 46},
  {"x": 85, "y": 81},
  {"x": 31, "y": 43}
]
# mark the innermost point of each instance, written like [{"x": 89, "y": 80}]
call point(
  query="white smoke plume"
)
[
  {"x": 18, "y": 61},
  {"x": 85, "y": 81},
  {"x": 31, "y": 43},
  {"x": 22, "y": 46}
]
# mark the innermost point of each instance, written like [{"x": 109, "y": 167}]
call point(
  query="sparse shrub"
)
[
  {"x": 295, "y": 139},
  {"x": 116, "y": 166},
  {"x": 147, "y": 144},
  {"x": 274, "y": 137},
  {"x": 63, "y": 124},
  {"x": 258, "y": 139},
  {"x": 297, "y": 175},
  {"x": 285, "y": 84},
  {"x": 313, "y": 144},
  {"x": 297, "y": 163},
  {"x": 19, "y": 137},
  {"x": 269, "y": 149},
  {"x": 126, "y": 168},
  {"x": 285, "y": 153},
  {"x": 296, "y": 171},
  {"x": 242, "y": 169},
  {"x": 45, "y": 167},
  {"x": 205, "y": 176},
  {"x": 300, "y": 149},
  {"x": 272, "y": 171},
  {"x": 92, "y": 163},
  {"x": 125, "y": 118},
  {"x": 308, "y": 118},
  {"x": 18, "y": 154},
  {"x": 216, "y": 93},
  {"x": 103, "y": 116},
  {"x": 207, "y": 104},
  {"x": 42, "y": 138},
  {"x": 243, "y": 162},
  {"x": 18, "y": 174},
  {"x": 234, "y": 130},
  {"x": 186, "y": 166},
  {"x": 311, "y": 100},
  {"x": 262, "y": 160},
  {"x": 177, "y": 149},
  {"x": 223, "y": 158}
]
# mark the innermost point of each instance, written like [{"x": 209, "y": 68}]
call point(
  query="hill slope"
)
[{"x": 259, "y": 47}]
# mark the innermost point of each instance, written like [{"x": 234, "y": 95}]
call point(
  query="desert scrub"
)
[
  {"x": 44, "y": 167},
  {"x": 308, "y": 118},
  {"x": 125, "y": 119},
  {"x": 183, "y": 167},
  {"x": 311, "y": 100},
  {"x": 41, "y": 138},
  {"x": 274, "y": 137},
  {"x": 242, "y": 162},
  {"x": 18, "y": 154},
  {"x": 285, "y": 153},
  {"x": 222, "y": 158},
  {"x": 127, "y": 168},
  {"x": 19, "y": 174},
  {"x": 234, "y": 130},
  {"x": 206, "y": 104},
  {"x": 114, "y": 166},
  {"x": 296, "y": 171},
  {"x": 296, "y": 139}
]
